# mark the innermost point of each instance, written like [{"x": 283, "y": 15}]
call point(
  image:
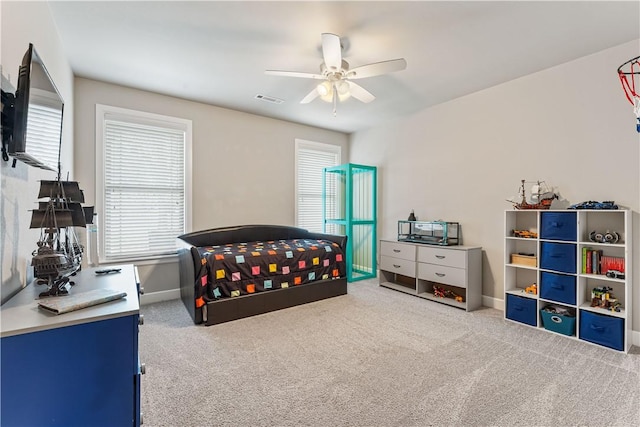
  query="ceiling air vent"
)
[{"x": 269, "y": 99}]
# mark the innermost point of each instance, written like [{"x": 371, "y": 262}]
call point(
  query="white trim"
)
[
  {"x": 116, "y": 113},
  {"x": 159, "y": 296},
  {"x": 160, "y": 259},
  {"x": 635, "y": 338},
  {"x": 492, "y": 302}
]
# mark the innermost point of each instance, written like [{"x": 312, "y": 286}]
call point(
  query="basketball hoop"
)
[{"x": 630, "y": 70}]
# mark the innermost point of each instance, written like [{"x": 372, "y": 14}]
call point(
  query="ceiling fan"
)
[{"x": 337, "y": 84}]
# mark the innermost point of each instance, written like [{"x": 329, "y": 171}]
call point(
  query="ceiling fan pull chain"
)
[{"x": 335, "y": 100}]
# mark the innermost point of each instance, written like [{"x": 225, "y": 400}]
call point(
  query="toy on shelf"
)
[
  {"x": 526, "y": 234},
  {"x": 533, "y": 289},
  {"x": 602, "y": 297},
  {"x": 606, "y": 237},
  {"x": 591, "y": 204},
  {"x": 440, "y": 292},
  {"x": 540, "y": 197}
]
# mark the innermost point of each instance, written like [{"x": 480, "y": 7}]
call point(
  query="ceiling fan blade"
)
[
  {"x": 294, "y": 74},
  {"x": 377, "y": 68},
  {"x": 360, "y": 93},
  {"x": 310, "y": 97},
  {"x": 331, "y": 51}
]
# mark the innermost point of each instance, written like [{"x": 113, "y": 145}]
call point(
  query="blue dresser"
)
[{"x": 75, "y": 369}]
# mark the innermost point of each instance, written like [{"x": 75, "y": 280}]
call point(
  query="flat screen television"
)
[{"x": 38, "y": 108}]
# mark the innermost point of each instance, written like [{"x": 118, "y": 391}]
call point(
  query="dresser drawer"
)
[
  {"x": 398, "y": 250},
  {"x": 440, "y": 256},
  {"x": 397, "y": 265},
  {"x": 442, "y": 274}
]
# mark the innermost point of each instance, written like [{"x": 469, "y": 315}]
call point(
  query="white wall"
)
[
  {"x": 23, "y": 23},
  {"x": 243, "y": 164},
  {"x": 570, "y": 125}
]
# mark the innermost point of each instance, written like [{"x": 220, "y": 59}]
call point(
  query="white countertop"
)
[{"x": 21, "y": 315}]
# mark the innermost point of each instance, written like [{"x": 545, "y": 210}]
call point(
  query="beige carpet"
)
[{"x": 377, "y": 357}]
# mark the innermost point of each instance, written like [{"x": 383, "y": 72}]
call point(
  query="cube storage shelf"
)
[{"x": 558, "y": 241}]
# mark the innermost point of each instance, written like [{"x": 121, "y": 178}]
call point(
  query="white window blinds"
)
[
  {"x": 311, "y": 159},
  {"x": 144, "y": 192}
]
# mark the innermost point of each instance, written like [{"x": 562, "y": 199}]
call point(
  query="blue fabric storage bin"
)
[
  {"x": 601, "y": 329},
  {"x": 522, "y": 310},
  {"x": 558, "y": 287},
  {"x": 558, "y": 257},
  {"x": 560, "y": 323},
  {"x": 558, "y": 226}
]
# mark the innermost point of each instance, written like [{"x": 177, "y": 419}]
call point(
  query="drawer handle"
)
[
  {"x": 441, "y": 256},
  {"x": 518, "y": 308},
  {"x": 559, "y": 287},
  {"x": 556, "y": 319},
  {"x": 397, "y": 251},
  {"x": 597, "y": 328},
  {"x": 440, "y": 274},
  {"x": 396, "y": 265}
]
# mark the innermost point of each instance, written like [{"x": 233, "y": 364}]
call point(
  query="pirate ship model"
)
[
  {"x": 541, "y": 197},
  {"x": 59, "y": 253}
]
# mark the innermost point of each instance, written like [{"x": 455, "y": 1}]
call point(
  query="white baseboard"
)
[
  {"x": 492, "y": 302},
  {"x": 151, "y": 297}
]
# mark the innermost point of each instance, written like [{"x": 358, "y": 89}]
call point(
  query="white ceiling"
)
[{"x": 216, "y": 52}]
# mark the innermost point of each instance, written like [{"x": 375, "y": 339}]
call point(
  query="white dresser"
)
[{"x": 447, "y": 274}]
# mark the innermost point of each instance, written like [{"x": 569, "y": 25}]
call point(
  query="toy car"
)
[
  {"x": 607, "y": 204},
  {"x": 615, "y": 274},
  {"x": 525, "y": 234}
]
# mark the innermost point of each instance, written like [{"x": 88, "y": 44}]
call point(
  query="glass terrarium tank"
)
[{"x": 430, "y": 232}]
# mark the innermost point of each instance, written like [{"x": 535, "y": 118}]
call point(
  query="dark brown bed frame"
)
[{"x": 227, "y": 309}]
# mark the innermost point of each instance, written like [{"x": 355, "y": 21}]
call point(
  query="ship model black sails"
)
[{"x": 59, "y": 253}]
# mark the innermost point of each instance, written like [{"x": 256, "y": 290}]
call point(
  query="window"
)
[
  {"x": 143, "y": 169},
  {"x": 311, "y": 159}
]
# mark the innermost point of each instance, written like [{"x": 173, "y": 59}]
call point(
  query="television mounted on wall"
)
[{"x": 38, "y": 110}]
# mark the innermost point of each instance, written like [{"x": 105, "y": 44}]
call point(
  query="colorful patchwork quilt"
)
[{"x": 244, "y": 268}]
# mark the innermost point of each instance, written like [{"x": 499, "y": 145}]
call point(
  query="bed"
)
[{"x": 234, "y": 272}]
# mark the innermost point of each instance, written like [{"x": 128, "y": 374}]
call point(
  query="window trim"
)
[
  {"x": 311, "y": 145},
  {"x": 104, "y": 112}
]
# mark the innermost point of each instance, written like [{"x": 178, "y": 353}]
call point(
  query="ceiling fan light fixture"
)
[
  {"x": 336, "y": 74},
  {"x": 324, "y": 89},
  {"x": 344, "y": 97},
  {"x": 342, "y": 87}
]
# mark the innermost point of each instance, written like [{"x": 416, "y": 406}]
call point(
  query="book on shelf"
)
[
  {"x": 595, "y": 262},
  {"x": 608, "y": 263},
  {"x": 591, "y": 261}
]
